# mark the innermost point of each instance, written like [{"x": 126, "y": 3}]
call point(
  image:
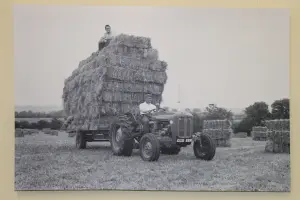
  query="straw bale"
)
[
  {"x": 218, "y": 133},
  {"x": 133, "y": 63},
  {"x": 278, "y": 136},
  {"x": 141, "y": 75},
  {"x": 23, "y": 132},
  {"x": 279, "y": 124},
  {"x": 30, "y": 131},
  {"x": 278, "y": 141},
  {"x": 216, "y": 124},
  {"x": 126, "y": 97},
  {"x": 259, "y": 135},
  {"x": 132, "y": 41},
  {"x": 273, "y": 147},
  {"x": 133, "y": 88},
  {"x": 137, "y": 52},
  {"x": 259, "y": 128},
  {"x": 19, "y": 133},
  {"x": 50, "y": 132}
]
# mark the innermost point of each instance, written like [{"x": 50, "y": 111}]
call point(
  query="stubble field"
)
[{"x": 45, "y": 162}]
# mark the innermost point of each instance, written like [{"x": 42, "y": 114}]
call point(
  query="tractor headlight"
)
[{"x": 171, "y": 122}]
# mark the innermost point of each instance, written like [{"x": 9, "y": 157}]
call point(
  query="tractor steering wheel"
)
[
  {"x": 149, "y": 112},
  {"x": 162, "y": 109}
]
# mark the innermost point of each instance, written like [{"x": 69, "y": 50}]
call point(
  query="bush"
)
[{"x": 244, "y": 126}]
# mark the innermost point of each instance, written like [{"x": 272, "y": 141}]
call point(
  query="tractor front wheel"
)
[
  {"x": 205, "y": 148},
  {"x": 149, "y": 147},
  {"x": 120, "y": 144}
]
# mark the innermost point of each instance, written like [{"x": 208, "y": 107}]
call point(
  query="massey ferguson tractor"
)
[{"x": 169, "y": 132}]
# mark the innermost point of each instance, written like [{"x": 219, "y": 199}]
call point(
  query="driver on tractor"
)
[{"x": 146, "y": 107}]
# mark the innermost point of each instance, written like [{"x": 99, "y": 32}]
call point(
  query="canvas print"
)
[{"x": 151, "y": 98}]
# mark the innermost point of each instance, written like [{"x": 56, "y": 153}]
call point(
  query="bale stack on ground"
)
[
  {"x": 49, "y": 131},
  {"x": 220, "y": 131},
  {"x": 113, "y": 81},
  {"x": 23, "y": 132},
  {"x": 278, "y": 136},
  {"x": 19, "y": 132},
  {"x": 30, "y": 131},
  {"x": 259, "y": 133}
]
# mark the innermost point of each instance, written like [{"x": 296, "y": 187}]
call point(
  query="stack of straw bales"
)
[
  {"x": 19, "y": 132},
  {"x": 278, "y": 136},
  {"x": 113, "y": 81},
  {"x": 23, "y": 132},
  {"x": 259, "y": 133},
  {"x": 220, "y": 131},
  {"x": 49, "y": 131}
]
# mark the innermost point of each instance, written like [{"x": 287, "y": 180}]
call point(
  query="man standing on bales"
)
[
  {"x": 108, "y": 36},
  {"x": 145, "y": 107}
]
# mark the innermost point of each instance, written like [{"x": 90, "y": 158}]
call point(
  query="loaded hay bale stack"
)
[
  {"x": 220, "y": 131},
  {"x": 259, "y": 133},
  {"x": 112, "y": 81},
  {"x": 278, "y": 136}
]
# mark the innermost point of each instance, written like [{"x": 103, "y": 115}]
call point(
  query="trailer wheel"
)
[
  {"x": 120, "y": 144},
  {"x": 205, "y": 150},
  {"x": 171, "y": 150},
  {"x": 80, "y": 140},
  {"x": 149, "y": 147}
]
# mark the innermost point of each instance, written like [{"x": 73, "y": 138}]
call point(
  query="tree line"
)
[
  {"x": 30, "y": 114},
  {"x": 54, "y": 124}
]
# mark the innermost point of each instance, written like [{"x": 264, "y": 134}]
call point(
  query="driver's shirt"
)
[
  {"x": 107, "y": 36},
  {"x": 144, "y": 107}
]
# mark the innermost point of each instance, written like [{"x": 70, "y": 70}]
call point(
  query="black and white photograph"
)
[{"x": 151, "y": 98}]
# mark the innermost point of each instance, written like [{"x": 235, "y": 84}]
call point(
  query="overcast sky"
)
[{"x": 231, "y": 57}]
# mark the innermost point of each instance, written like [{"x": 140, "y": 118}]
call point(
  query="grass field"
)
[{"x": 44, "y": 162}]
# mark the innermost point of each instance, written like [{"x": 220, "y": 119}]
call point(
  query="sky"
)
[{"x": 229, "y": 57}]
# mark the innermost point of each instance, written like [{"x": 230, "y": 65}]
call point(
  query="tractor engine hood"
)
[{"x": 166, "y": 116}]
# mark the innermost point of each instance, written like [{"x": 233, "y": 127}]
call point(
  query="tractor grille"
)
[{"x": 184, "y": 127}]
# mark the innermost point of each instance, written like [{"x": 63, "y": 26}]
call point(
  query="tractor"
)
[{"x": 169, "y": 132}]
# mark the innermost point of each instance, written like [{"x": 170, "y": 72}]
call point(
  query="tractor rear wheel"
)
[
  {"x": 171, "y": 150},
  {"x": 206, "y": 149},
  {"x": 120, "y": 144},
  {"x": 80, "y": 140},
  {"x": 149, "y": 147}
]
